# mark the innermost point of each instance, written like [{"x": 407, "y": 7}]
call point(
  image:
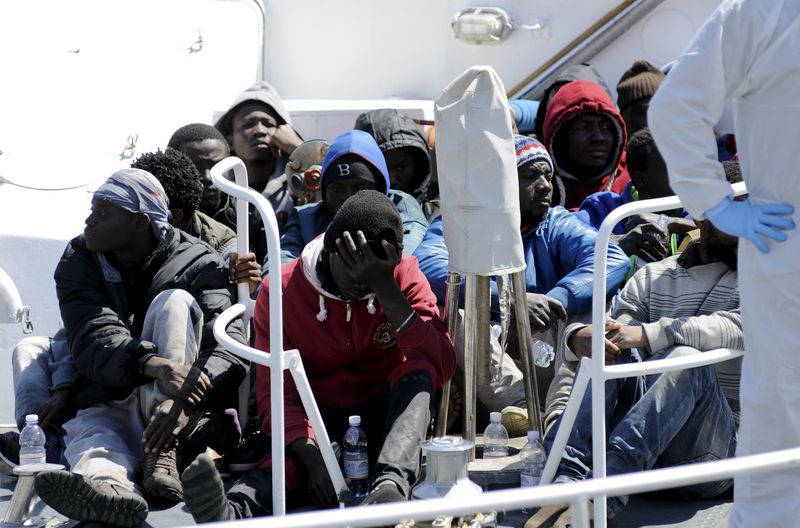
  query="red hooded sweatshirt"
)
[
  {"x": 349, "y": 349},
  {"x": 573, "y": 99}
]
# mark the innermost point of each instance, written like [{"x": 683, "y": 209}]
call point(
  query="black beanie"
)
[{"x": 372, "y": 213}]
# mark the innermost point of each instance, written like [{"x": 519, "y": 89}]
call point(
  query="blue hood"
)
[{"x": 361, "y": 144}]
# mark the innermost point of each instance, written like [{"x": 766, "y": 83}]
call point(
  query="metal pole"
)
[
  {"x": 483, "y": 352},
  {"x": 451, "y": 320},
  {"x": 470, "y": 376},
  {"x": 524, "y": 336}
]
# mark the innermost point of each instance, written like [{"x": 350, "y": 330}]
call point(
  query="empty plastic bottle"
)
[
  {"x": 356, "y": 458},
  {"x": 533, "y": 459},
  {"x": 31, "y": 442},
  {"x": 543, "y": 352},
  {"x": 495, "y": 438}
]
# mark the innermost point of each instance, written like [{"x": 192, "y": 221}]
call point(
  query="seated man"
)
[
  {"x": 353, "y": 163},
  {"x": 43, "y": 368},
  {"x": 687, "y": 303},
  {"x": 138, "y": 299},
  {"x": 559, "y": 251},
  {"x": 260, "y": 132},
  {"x": 407, "y": 154},
  {"x": 206, "y": 146},
  {"x": 585, "y": 135},
  {"x": 365, "y": 322},
  {"x": 640, "y": 236}
]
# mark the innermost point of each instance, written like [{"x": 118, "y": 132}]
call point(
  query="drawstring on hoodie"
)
[{"x": 323, "y": 312}]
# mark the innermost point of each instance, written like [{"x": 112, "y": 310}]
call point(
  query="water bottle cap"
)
[
  {"x": 31, "y": 418},
  {"x": 494, "y": 417},
  {"x": 354, "y": 420},
  {"x": 533, "y": 436}
]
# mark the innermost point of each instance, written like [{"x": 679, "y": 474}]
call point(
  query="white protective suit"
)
[{"x": 749, "y": 51}]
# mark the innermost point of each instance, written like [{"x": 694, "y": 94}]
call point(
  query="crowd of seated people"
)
[{"x": 138, "y": 400}]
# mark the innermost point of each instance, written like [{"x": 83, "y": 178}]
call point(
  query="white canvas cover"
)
[{"x": 478, "y": 175}]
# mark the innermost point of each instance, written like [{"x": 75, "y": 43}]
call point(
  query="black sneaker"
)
[
  {"x": 83, "y": 499},
  {"x": 220, "y": 432},
  {"x": 249, "y": 453}
]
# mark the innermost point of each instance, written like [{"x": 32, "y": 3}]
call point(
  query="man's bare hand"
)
[
  {"x": 245, "y": 269},
  {"x": 626, "y": 337},
  {"x": 580, "y": 342},
  {"x": 284, "y": 141},
  {"x": 177, "y": 380},
  {"x": 543, "y": 311},
  {"x": 167, "y": 422}
]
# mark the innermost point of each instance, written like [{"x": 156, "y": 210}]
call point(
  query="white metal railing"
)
[
  {"x": 277, "y": 359},
  {"x": 576, "y": 494}
]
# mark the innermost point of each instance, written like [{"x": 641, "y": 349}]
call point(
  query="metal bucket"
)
[{"x": 446, "y": 469}]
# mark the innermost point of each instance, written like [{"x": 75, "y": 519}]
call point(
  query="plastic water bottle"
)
[
  {"x": 495, "y": 438},
  {"x": 533, "y": 459},
  {"x": 31, "y": 442},
  {"x": 543, "y": 352},
  {"x": 356, "y": 458},
  {"x": 663, "y": 222}
]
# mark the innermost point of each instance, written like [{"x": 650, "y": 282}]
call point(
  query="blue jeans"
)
[{"x": 664, "y": 420}]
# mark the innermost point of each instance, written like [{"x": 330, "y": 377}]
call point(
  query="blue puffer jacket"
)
[
  {"x": 306, "y": 222},
  {"x": 559, "y": 253}
]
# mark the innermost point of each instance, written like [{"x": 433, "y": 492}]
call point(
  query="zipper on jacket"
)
[{"x": 349, "y": 311}]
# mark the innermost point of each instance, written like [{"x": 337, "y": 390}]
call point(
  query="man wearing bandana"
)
[{"x": 138, "y": 299}]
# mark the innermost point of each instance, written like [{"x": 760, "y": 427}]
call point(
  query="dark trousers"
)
[{"x": 396, "y": 423}]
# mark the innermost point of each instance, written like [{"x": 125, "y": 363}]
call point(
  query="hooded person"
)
[
  {"x": 139, "y": 300},
  {"x": 576, "y": 72},
  {"x": 365, "y": 323},
  {"x": 259, "y": 130},
  {"x": 406, "y": 151},
  {"x": 353, "y": 162},
  {"x": 585, "y": 135}
]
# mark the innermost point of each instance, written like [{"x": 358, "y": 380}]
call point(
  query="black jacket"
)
[{"x": 103, "y": 317}]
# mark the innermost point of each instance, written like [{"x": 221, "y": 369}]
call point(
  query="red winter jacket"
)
[
  {"x": 573, "y": 99},
  {"x": 348, "y": 357}
]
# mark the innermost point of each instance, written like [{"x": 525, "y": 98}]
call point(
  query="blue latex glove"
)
[{"x": 750, "y": 221}]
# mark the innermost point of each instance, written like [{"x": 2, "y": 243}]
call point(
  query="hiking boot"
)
[
  {"x": 515, "y": 420},
  {"x": 160, "y": 478},
  {"x": 90, "y": 500},
  {"x": 9, "y": 452}
]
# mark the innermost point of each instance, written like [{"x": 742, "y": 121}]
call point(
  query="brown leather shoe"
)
[{"x": 161, "y": 480}]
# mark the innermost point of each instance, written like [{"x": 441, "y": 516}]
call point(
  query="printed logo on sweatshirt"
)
[{"x": 384, "y": 336}]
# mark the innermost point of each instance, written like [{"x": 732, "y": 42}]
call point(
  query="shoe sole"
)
[{"x": 70, "y": 495}]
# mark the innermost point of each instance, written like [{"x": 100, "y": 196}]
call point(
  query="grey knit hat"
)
[{"x": 639, "y": 81}]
